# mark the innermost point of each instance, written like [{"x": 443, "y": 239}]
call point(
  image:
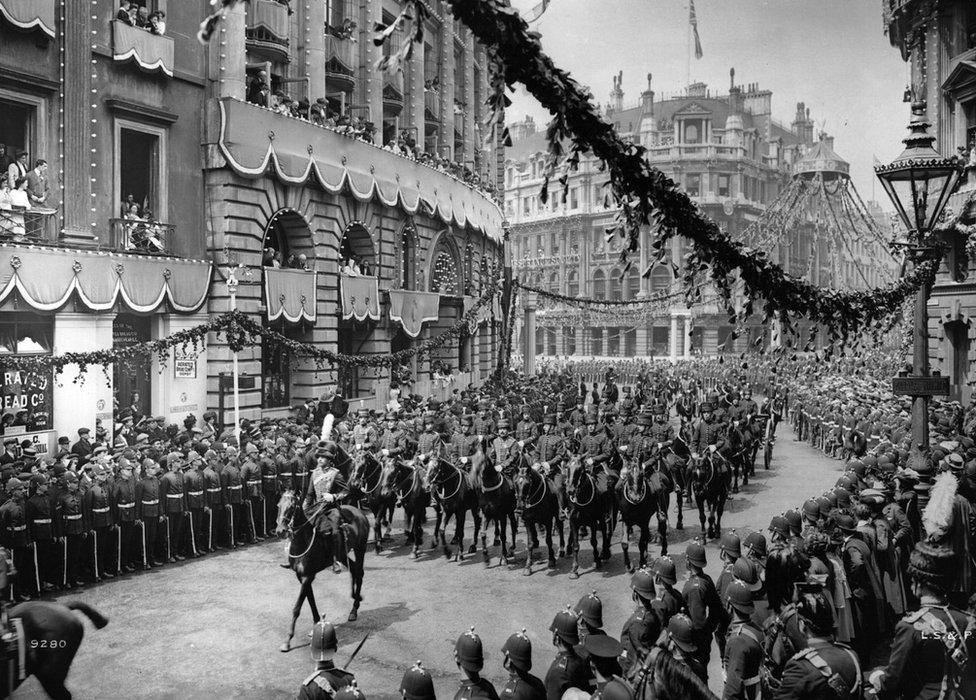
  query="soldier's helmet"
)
[
  {"x": 566, "y": 626},
  {"x": 739, "y": 597},
  {"x": 695, "y": 554},
  {"x": 469, "y": 652},
  {"x": 504, "y": 423},
  {"x": 350, "y": 692},
  {"x": 549, "y": 419},
  {"x": 731, "y": 544},
  {"x": 643, "y": 583},
  {"x": 518, "y": 649},
  {"x": 681, "y": 631},
  {"x": 931, "y": 565},
  {"x": 324, "y": 641},
  {"x": 590, "y": 608},
  {"x": 780, "y": 525},
  {"x": 417, "y": 683},
  {"x": 814, "y": 607}
]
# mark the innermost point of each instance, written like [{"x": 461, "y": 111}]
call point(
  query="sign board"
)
[
  {"x": 227, "y": 382},
  {"x": 920, "y": 386},
  {"x": 33, "y": 392},
  {"x": 184, "y": 364},
  {"x": 44, "y": 441}
]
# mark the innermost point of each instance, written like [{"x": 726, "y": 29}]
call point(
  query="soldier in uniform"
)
[
  {"x": 72, "y": 529},
  {"x": 232, "y": 484},
  {"x": 430, "y": 444},
  {"x": 417, "y": 684},
  {"x": 743, "y": 646},
  {"x": 551, "y": 451},
  {"x": 517, "y": 660},
  {"x": 933, "y": 654},
  {"x": 15, "y": 538},
  {"x": 683, "y": 642},
  {"x": 504, "y": 448},
  {"x": 393, "y": 441},
  {"x": 41, "y": 527},
  {"x": 708, "y": 438},
  {"x": 213, "y": 500},
  {"x": 123, "y": 500},
  {"x": 98, "y": 513},
  {"x": 172, "y": 497},
  {"x": 470, "y": 659},
  {"x": 824, "y": 668},
  {"x": 568, "y": 670},
  {"x": 526, "y": 431},
  {"x": 643, "y": 627},
  {"x": 467, "y": 446},
  {"x": 483, "y": 423},
  {"x": 363, "y": 434},
  {"x": 196, "y": 500},
  {"x": 253, "y": 504},
  {"x": 269, "y": 489},
  {"x": 589, "y": 610},
  {"x": 326, "y": 680},
  {"x": 327, "y": 489},
  {"x": 149, "y": 512},
  {"x": 595, "y": 450},
  {"x": 703, "y": 604}
]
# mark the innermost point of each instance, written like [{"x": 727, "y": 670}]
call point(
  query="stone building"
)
[
  {"x": 731, "y": 156},
  {"x": 939, "y": 42}
]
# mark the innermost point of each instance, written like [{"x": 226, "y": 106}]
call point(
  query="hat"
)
[
  {"x": 83, "y": 431},
  {"x": 932, "y": 564},
  {"x": 643, "y": 583},
  {"x": 468, "y": 649},
  {"x": 349, "y": 692},
  {"x": 659, "y": 409},
  {"x": 955, "y": 462},
  {"x": 872, "y": 497},
  {"x": 780, "y": 525},
  {"x": 417, "y": 683},
  {"x": 617, "y": 689},
  {"x": 664, "y": 570},
  {"x": 739, "y": 596},
  {"x": 324, "y": 641},
  {"x": 644, "y": 419},
  {"x": 590, "y": 419},
  {"x": 681, "y": 632},
  {"x": 756, "y": 543},
  {"x": 845, "y": 522},
  {"x": 731, "y": 544},
  {"x": 38, "y": 479},
  {"x": 549, "y": 419},
  {"x": 13, "y": 484},
  {"x": 565, "y": 625},
  {"x": 518, "y": 649},
  {"x": 602, "y": 646},
  {"x": 745, "y": 570},
  {"x": 590, "y": 609},
  {"x": 695, "y": 554}
]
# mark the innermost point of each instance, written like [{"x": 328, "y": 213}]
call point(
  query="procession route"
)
[{"x": 211, "y": 628}]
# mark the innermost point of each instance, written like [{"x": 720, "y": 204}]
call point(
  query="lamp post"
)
[{"x": 919, "y": 183}]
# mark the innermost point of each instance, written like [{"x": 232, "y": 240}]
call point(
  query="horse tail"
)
[{"x": 88, "y": 611}]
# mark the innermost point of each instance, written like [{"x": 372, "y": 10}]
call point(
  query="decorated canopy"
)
[
  {"x": 412, "y": 309},
  {"x": 360, "y": 298},
  {"x": 290, "y": 294}
]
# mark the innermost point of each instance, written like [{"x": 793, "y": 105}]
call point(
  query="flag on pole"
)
[
  {"x": 693, "y": 21},
  {"x": 536, "y": 12}
]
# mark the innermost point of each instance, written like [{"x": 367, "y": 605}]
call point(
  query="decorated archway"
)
[
  {"x": 446, "y": 273},
  {"x": 356, "y": 247}
]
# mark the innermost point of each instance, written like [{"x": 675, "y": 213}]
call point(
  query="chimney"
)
[
  {"x": 617, "y": 94},
  {"x": 647, "y": 98},
  {"x": 735, "y": 94}
]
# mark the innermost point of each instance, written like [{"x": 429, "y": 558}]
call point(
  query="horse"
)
[
  {"x": 453, "y": 497},
  {"x": 366, "y": 482},
  {"x": 496, "y": 497},
  {"x": 739, "y": 449},
  {"x": 536, "y": 500},
  {"x": 675, "y": 468},
  {"x": 662, "y": 677},
  {"x": 52, "y": 634},
  {"x": 641, "y": 495},
  {"x": 587, "y": 507},
  {"x": 403, "y": 481},
  {"x": 310, "y": 552},
  {"x": 710, "y": 486}
]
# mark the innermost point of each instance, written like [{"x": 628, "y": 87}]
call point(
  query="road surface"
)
[{"x": 211, "y": 628}]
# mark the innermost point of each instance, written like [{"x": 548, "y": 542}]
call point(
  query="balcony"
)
[
  {"x": 392, "y": 93},
  {"x": 151, "y": 52},
  {"x": 695, "y": 152},
  {"x": 19, "y": 225},
  {"x": 256, "y": 141},
  {"x": 432, "y": 106},
  {"x": 266, "y": 29},
  {"x": 340, "y": 65},
  {"x": 29, "y": 14},
  {"x": 136, "y": 236}
]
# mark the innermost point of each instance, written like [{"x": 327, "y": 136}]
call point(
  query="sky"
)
[{"x": 832, "y": 55}]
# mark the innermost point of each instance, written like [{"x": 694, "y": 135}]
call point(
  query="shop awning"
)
[
  {"x": 413, "y": 309},
  {"x": 290, "y": 294},
  {"x": 152, "y": 52},
  {"x": 30, "y": 14},
  {"x": 46, "y": 279},
  {"x": 360, "y": 298}
]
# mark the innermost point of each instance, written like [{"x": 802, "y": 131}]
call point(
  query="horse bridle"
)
[
  {"x": 379, "y": 479},
  {"x": 438, "y": 484},
  {"x": 542, "y": 487},
  {"x": 592, "y": 489}
]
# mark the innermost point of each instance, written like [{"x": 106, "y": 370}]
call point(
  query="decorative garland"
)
[{"x": 588, "y": 301}]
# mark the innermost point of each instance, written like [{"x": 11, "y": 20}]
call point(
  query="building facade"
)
[
  {"x": 938, "y": 39},
  {"x": 163, "y": 176},
  {"x": 731, "y": 157}
]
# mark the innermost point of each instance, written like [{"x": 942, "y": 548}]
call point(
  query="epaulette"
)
[{"x": 915, "y": 616}]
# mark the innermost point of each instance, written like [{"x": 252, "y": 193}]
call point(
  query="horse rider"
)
[
  {"x": 526, "y": 431},
  {"x": 551, "y": 452},
  {"x": 484, "y": 425},
  {"x": 662, "y": 435},
  {"x": 326, "y": 680},
  {"x": 504, "y": 448},
  {"x": 595, "y": 450},
  {"x": 708, "y": 438},
  {"x": 466, "y": 446},
  {"x": 393, "y": 441},
  {"x": 363, "y": 434},
  {"x": 430, "y": 444},
  {"x": 327, "y": 489}
]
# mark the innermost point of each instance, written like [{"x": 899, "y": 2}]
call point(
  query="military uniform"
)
[
  {"x": 253, "y": 503},
  {"x": 523, "y": 686},
  {"x": 97, "y": 504},
  {"x": 526, "y": 431},
  {"x": 172, "y": 499},
  {"x": 269, "y": 495},
  {"x": 568, "y": 670},
  {"x": 196, "y": 500},
  {"x": 824, "y": 670},
  {"x": 364, "y": 436},
  {"x": 638, "y": 635},
  {"x": 15, "y": 538},
  {"x": 481, "y": 689},
  {"x": 503, "y": 451},
  {"x": 123, "y": 500},
  {"x": 741, "y": 662},
  {"x": 429, "y": 443},
  {"x": 72, "y": 526},
  {"x": 149, "y": 512},
  {"x": 705, "y": 610},
  {"x": 393, "y": 441},
  {"x": 322, "y": 684},
  {"x": 214, "y": 503}
]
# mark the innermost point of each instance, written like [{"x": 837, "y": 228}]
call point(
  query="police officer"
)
[
  {"x": 702, "y": 602},
  {"x": 417, "y": 684},
  {"x": 41, "y": 526},
  {"x": 326, "y": 680},
  {"x": 589, "y": 610},
  {"x": 643, "y": 627},
  {"x": 683, "y": 642},
  {"x": 602, "y": 653},
  {"x": 595, "y": 449},
  {"x": 933, "y": 654},
  {"x": 15, "y": 538},
  {"x": 470, "y": 659},
  {"x": 668, "y": 601},
  {"x": 825, "y": 669},
  {"x": 743, "y": 646},
  {"x": 567, "y": 670},
  {"x": 517, "y": 660}
]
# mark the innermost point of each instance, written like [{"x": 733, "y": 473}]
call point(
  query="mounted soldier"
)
[{"x": 551, "y": 453}]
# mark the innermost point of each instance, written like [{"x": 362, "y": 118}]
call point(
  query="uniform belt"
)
[
  {"x": 284, "y": 473},
  {"x": 42, "y": 521},
  {"x": 124, "y": 505},
  {"x": 174, "y": 495},
  {"x": 213, "y": 490},
  {"x": 18, "y": 528},
  {"x": 150, "y": 503},
  {"x": 251, "y": 482},
  {"x": 100, "y": 510},
  {"x": 270, "y": 476},
  {"x": 76, "y": 516},
  {"x": 194, "y": 493},
  {"x": 234, "y": 487}
]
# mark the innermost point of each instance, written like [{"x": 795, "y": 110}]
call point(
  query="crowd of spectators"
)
[
  {"x": 25, "y": 194},
  {"x": 273, "y": 258},
  {"x": 136, "y": 15},
  {"x": 142, "y": 231}
]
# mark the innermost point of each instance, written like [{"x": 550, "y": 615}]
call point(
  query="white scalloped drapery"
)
[{"x": 290, "y": 294}]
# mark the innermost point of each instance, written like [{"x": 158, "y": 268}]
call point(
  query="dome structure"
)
[{"x": 822, "y": 160}]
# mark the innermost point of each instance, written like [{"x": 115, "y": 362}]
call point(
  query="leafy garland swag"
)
[{"x": 240, "y": 331}]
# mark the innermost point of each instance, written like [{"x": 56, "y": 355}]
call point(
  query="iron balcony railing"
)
[{"x": 138, "y": 236}]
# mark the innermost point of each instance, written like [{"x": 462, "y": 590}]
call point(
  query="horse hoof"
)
[
  {"x": 551, "y": 564},
  {"x": 353, "y": 616},
  {"x": 415, "y": 554},
  {"x": 562, "y": 553},
  {"x": 574, "y": 575},
  {"x": 630, "y": 569},
  {"x": 286, "y": 647},
  {"x": 473, "y": 549},
  {"x": 496, "y": 543},
  {"x": 679, "y": 526},
  {"x": 527, "y": 572}
]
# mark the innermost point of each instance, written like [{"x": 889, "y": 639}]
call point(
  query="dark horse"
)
[
  {"x": 310, "y": 552},
  {"x": 589, "y": 507},
  {"x": 659, "y": 677},
  {"x": 710, "y": 486},
  {"x": 742, "y": 450},
  {"x": 536, "y": 500},
  {"x": 643, "y": 492},
  {"x": 496, "y": 496},
  {"x": 52, "y": 635},
  {"x": 366, "y": 484},
  {"x": 454, "y": 496},
  {"x": 404, "y": 482}
]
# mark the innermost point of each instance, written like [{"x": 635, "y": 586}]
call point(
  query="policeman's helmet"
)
[
  {"x": 468, "y": 652},
  {"x": 664, "y": 569},
  {"x": 739, "y": 597},
  {"x": 780, "y": 525},
  {"x": 731, "y": 544},
  {"x": 324, "y": 641},
  {"x": 350, "y": 692},
  {"x": 518, "y": 649},
  {"x": 642, "y": 582},
  {"x": 590, "y": 609},
  {"x": 681, "y": 632},
  {"x": 417, "y": 684},
  {"x": 566, "y": 626},
  {"x": 617, "y": 689}
]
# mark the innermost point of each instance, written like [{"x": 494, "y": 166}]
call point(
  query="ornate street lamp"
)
[{"x": 919, "y": 183}]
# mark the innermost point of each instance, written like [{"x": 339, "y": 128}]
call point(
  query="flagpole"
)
[{"x": 688, "y": 52}]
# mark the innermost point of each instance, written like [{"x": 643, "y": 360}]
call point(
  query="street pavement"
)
[{"x": 211, "y": 628}]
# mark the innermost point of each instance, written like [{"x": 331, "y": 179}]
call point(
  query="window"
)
[
  {"x": 554, "y": 243},
  {"x": 596, "y": 341},
  {"x": 723, "y": 186},
  {"x": 693, "y": 184},
  {"x": 140, "y": 167},
  {"x": 970, "y": 110},
  {"x": 572, "y": 284},
  {"x": 692, "y": 131},
  {"x": 275, "y": 374},
  {"x": 569, "y": 340},
  {"x": 27, "y": 397},
  {"x": 574, "y": 198},
  {"x": 526, "y": 203},
  {"x": 660, "y": 280},
  {"x": 632, "y": 287},
  {"x": 615, "y": 285},
  {"x": 17, "y": 131},
  {"x": 26, "y": 334},
  {"x": 408, "y": 258},
  {"x": 599, "y": 285}
]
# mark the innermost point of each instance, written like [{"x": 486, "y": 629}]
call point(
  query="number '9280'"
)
[{"x": 48, "y": 643}]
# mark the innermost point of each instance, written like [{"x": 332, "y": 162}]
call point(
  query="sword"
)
[
  {"x": 37, "y": 573},
  {"x": 142, "y": 538},
  {"x": 230, "y": 515},
  {"x": 209, "y": 528},
  {"x": 193, "y": 537},
  {"x": 356, "y": 651},
  {"x": 250, "y": 513},
  {"x": 64, "y": 569},
  {"x": 118, "y": 549},
  {"x": 168, "y": 553},
  {"x": 95, "y": 551}
]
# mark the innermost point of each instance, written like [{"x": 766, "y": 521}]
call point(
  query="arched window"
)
[
  {"x": 572, "y": 283},
  {"x": 446, "y": 270},
  {"x": 356, "y": 247},
  {"x": 407, "y": 257},
  {"x": 615, "y": 284},
  {"x": 660, "y": 280},
  {"x": 554, "y": 282},
  {"x": 632, "y": 283},
  {"x": 599, "y": 285}
]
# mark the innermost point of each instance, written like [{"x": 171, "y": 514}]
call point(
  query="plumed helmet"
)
[
  {"x": 739, "y": 596},
  {"x": 731, "y": 544},
  {"x": 350, "y": 692},
  {"x": 931, "y": 564},
  {"x": 324, "y": 641},
  {"x": 745, "y": 570},
  {"x": 664, "y": 570},
  {"x": 469, "y": 651},
  {"x": 695, "y": 553},
  {"x": 756, "y": 544},
  {"x": 565, "y": 625},
  {"x": 816, "y": 610},
  {"x": 590, "y": 608},
  {"x": 643, "y": 583},
  {"x": 549, "y": 419},
  {"x": 417, "y": 683},
  {"x": 518, "y": 649},
  {"x": 504, "y": 423},
  {"x": 780, "y": 525},
  {"x": 681, "y": 631}
]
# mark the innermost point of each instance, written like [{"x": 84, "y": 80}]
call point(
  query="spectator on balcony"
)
[
  {"x": 124, "y": 14},
  {"x": 319, "y": 111},
  {"x": 142, "y": 17},
  {"x": 17, "y": 203},
  {"x": 157, "y": 23},
  {"x": 259, "y": 90},
  {"x": 17, "y": 169},
  {"x": 38, "y": 188},
  {"x": 302, "y": 263},
  {"x": 8, "y": 219}
]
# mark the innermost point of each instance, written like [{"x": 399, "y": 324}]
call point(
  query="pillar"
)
[
  {"x": 528, "y": 352},
  {"x": 447, "y": 83},
  {"x": 78, "y": 109},
  {"x": 687, "y": 354},
  {"x": 673, "y": 339},
  {"x": 227, "y": 55},
  {"x": 314, "y": 14},
  {"x": 642, "y": 336},
  {"x": 78, "y": 404},
  {"x": 175, "y": 393},
  {"x": 414, "y": 101},
  {"x": 471, "y": 144}
]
